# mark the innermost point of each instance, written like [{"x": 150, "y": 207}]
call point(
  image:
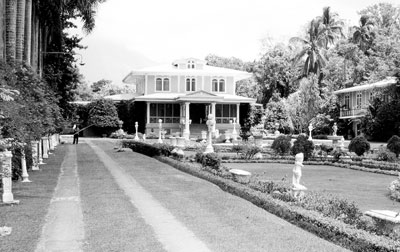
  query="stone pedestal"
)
[
  {"x": 40, "y": 152},
  {"x": 7, "y": 197},
  {"x": 35, "y": 161},
  {"x": 25, "y": 175},
  {"x": 386, "y": 221},
  {"x": 240, "y": 176},
  {"x": 173, "y": 141},
  {"x": 335, "y": 141},
  {"x": 51, "y": 143},
  {"x": 227, "y": 136},
  {"x": 180, "y": 145},
  {"x": 45, "y": 147}
]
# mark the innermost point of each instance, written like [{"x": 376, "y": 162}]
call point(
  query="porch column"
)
[
  {"x": 186, "y": 132},
  {"x": 147, "y": 115},
  {"x": 214, "y": 115},
  {"x": 237, "y": 113}
]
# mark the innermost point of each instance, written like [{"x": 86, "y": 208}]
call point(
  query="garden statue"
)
[
  {"x": 334, "y": 129},
  {"x": 298, "y": 165},
  {"x": 310, "y": 128},
  {"x": 136, "y": 130},
  {"x": 159, "y": 131},
  {"x": 210, "y": 124},
  {"x": 277, "y": 133}
]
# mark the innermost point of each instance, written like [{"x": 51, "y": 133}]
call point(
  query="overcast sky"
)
[{"x": 130, "y": 34}]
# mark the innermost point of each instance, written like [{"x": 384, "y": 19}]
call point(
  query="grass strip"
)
[{"x": 28, "y": 218}]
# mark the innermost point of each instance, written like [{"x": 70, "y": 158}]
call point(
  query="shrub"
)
[
  {"x": 208, "y": 160},
  {"x": 281, "y": 145},
  {"x": 165, "y": 149},
  {"x": 384, "y": 154},
  {"x": 359, "y": 145},
  {"x": 250, "y": 151},
  {"x": 140, "y": 147},
  {"x": 394, "y": 145},
  {"x": 326, "y": 148},
  {"x": 238, "y": 148},
  {"x": 302, "y": 144},
  {"x": 394, "y": 190}
]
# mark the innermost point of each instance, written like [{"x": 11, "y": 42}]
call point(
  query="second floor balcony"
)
[{"x": 352, "y": 113}]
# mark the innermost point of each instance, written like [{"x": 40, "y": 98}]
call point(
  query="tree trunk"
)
[
  {"x": 28, "y": 32},
  {"x": 19, "y": 48},
  {"x": 35, "y": 41},
  {"x": 11, "y": 26},
  {"x": 2, "y": 28}
]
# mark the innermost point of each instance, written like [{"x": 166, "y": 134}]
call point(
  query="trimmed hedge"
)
[{"x": 141, "y": 147}]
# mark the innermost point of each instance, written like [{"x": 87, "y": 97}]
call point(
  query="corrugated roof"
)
[{"x": 380, "y": 84}]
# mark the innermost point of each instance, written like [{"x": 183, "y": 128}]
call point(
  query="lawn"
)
[{"x": 368, "y": 190}]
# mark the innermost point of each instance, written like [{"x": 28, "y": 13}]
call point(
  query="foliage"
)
[
  {"x": 275, "y": 112},
  {"x": 141, "y": 147},
  {"x": 331, "y": 206},
  {"x": 302, "y": 144},
  {"x": 165, "y": 149},
  {"x": 394, "y": 145},
  {"x": 282, "y": 144},
  {"x": 34, "y": 112},
  {"x": 274, "y": 73},
  {"x": 250, "y": 151},
  {"x": 394, "y": 190},
  {"x": 359, "y": 145},
  {"x": 384, "y": 154},
  {"x": 254, "y": 117},
  {"x": 211, "y": 160},
  {"x": 103, "y": 113}
]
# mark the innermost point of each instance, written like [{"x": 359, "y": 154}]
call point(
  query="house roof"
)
[
  {"x": 121, "y": 97},
  {"x": 170, "y": 69},
  {"x": 380, "y": 84},
  {"x": 198, "y": 96}
]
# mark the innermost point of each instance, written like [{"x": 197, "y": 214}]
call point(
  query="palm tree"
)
[
  {"x": 20, "y": 30},
  {"x": 11, "y": 19},
  {"x": 364, "y": 34},
  {"x": 323, "y": 32},
  {"x": 313, "y": 50}
]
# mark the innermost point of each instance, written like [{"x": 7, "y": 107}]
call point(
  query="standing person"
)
[{"x": 76, "y": 134}]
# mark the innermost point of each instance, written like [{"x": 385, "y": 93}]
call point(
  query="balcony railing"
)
[{"x": 357, "y": 112}]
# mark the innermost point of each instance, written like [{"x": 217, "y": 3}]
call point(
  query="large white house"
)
[{"x": 183, "y": 93}]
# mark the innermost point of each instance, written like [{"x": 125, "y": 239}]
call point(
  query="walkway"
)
[{"x": 130, "y": 202}]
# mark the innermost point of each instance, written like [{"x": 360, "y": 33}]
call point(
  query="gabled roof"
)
[
  {"x": 380, "y": 84},
  {"x": 169, "y": 69}
]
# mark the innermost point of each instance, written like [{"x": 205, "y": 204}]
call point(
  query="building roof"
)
[
  {"x": 198, "y": 96},
  {"x": 121, "y": 97},
  {"x": 380, "y": 84},
  {"x": 170, "y": 69}
]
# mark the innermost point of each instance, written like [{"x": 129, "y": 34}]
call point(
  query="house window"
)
[
  {"x": 225, "y": 112},
  {"x": 346, "y": 102},
  {"x": 358, "y": 100},
  {"x": 190, "y": 84},
  {"x": 168, "y": 113},
  {"x": 190, "y": 64},
  {"x": 218, "y": 85},
  {"x": 162, "y": 84}
]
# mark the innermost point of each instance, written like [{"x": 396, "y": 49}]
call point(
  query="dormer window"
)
[
  {"x": 218, "y": 85},
  {"x": 190, "y": 84},
  {"x": 190, "y": 64},
  {"x": 162, "y": 84}
]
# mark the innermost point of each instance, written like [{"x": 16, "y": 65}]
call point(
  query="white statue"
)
[
  {"x": 297, "y": 172},
  {"x": 334, "y": 129},
  {"x": 310, "y": 128}
]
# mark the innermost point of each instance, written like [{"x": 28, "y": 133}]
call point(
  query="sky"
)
[{"x": 131, "y": 34}]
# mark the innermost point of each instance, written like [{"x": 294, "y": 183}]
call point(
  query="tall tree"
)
[
  {"x": 364, "y": 34},
  {"x": 11, "y": 26},
  {"x": 323, "y": 32}
]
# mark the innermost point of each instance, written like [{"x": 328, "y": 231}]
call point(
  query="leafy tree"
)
[
  {"x": 364, "y": 34},
  {"x": 303, "y": 145},
  {"x": 274, "y": 73},
  {"x": 99, "y": 85},
  {"x": 103, "y": 114},
  {"x": 275, "y": 112}
]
